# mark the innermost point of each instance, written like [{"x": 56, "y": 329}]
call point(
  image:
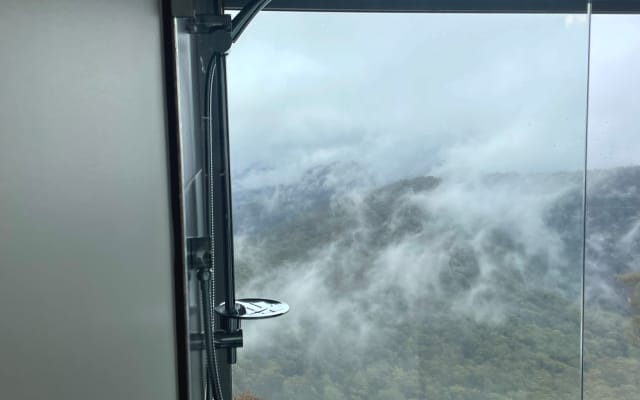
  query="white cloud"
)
[{"x": 404, "y": 94}]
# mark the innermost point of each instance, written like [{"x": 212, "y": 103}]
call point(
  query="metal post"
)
[
  {"x": 221, "y": 122},
  {"x": 223, "y": 132}
]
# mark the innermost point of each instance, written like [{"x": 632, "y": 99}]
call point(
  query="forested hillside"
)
[{"x": 441, "y": 288}]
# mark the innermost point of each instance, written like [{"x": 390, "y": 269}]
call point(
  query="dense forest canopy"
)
[{"x": 429, "y": 288}]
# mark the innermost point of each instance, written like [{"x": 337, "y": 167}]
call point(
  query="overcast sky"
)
[{"x": 413, "y": 94}]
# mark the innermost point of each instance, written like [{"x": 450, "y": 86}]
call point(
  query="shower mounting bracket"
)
[
  {"x": 222, "y": 340},
  {"x": 198, "y": 252},
  {"x": 198, "y": 258},
  {"x": 217, "y": 27}
]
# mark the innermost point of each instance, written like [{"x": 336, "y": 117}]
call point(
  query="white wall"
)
[{"x": 86, "y": 308}]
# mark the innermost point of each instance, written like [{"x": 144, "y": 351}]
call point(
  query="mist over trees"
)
[{"x": 466, "y": 288}]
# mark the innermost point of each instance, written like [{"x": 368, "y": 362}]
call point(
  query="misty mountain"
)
[
  {"x": 465, "y": 287},
  {"x": 258, "y": 206}
]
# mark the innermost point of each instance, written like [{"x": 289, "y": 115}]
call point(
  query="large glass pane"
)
[
  {"x": 612, "y": 310},
  {"x": 412, "y": 186}
]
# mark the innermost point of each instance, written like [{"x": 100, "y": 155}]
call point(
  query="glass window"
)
[
  {"x": 411, "y": 184},
  {"x": 612, "y": 281}
]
